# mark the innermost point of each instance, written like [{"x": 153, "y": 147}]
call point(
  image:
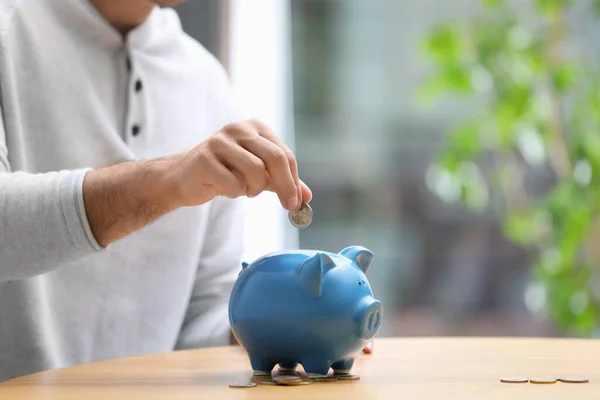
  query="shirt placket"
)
[{"x": 136, "y": 124}]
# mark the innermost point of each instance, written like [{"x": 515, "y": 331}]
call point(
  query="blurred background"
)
[{"x": 458, "y": 140}]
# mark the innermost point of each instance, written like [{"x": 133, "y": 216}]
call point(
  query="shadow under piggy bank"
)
[{"x": 309, "y": 307}]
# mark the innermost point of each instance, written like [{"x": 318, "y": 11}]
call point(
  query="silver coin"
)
[
  {"x": 324, "y": 379},
  {"x": 242, "y": 385},
  {"x": 287, "y": 378},
  {"x": 341, "y": 372},
  {"x": 268, "y": 382},
  {"x": 574, "y": 380},
  {"x": 293, "y": 383},
  {"x": 347, "y": 377},
  {"x": 514, "y": 380},
  {"x": 301, "y": 218},
  {"x": 261, "y": 373}
]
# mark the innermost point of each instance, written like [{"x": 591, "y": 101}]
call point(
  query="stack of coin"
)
[
  {"x": 290, "y": 380},
  {"x": 289, "y": 377}
]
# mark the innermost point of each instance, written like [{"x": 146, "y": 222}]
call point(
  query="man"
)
[{"x": 122, "y": 167}]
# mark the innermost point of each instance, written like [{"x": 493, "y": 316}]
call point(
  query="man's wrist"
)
[
  {"x": 123, "y": 198},
  {"x": 167, "y": 185}
]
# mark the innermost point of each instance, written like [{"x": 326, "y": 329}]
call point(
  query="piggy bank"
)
[{"x": 305, "y": 307}]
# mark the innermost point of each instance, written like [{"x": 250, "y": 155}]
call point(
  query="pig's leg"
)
[
  {"x": 316, "y": 366},
  {"x": 288, "y": 366},
  {"x": 261, "y": 364},
  {"x": 343, "y": 366}
]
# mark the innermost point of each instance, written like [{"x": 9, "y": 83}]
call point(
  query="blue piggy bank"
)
[{"x": 309, "y": 307}]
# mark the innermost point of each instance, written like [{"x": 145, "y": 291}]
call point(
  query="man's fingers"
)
[
  {"x": 249, "y": 169},
  {"x": 225, "y": 181},
  {"x": 266, "y": 132},
  {"x": 276, "y": 162},
  {"x": 306, "y": 192}
]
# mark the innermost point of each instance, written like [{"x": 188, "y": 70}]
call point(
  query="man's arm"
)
[{"x": 50, "y": 219}]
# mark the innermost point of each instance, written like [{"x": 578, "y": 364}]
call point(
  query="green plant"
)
[{"x": 538, "y": 112}]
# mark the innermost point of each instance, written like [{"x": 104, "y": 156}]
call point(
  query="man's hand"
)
[{"x": 242, "y": 159}]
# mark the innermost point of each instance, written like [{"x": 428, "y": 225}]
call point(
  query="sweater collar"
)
[{"x": 86, "y": 20}]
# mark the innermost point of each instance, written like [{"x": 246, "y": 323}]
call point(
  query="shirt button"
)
[
  {"x": 135, "y": 130},
  {"x": 138, "y": 85}
]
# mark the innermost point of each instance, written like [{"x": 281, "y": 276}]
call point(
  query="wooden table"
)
[{"x": 432, "y": 368}]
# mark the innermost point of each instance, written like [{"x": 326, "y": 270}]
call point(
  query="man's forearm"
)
[{"x": 123, "y": 198}]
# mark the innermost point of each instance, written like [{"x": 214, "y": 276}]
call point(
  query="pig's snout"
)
[{"x": 371, "y": 319}]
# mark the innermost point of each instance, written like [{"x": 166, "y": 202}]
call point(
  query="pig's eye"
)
[{"x": 360, "y": 283}]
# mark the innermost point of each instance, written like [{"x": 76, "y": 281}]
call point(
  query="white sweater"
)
[{"x": 69, "y": 102}]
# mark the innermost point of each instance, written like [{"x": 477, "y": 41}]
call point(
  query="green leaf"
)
[
  {"x": 526, "y": 227},
  {"x": 464, "y": 142},
  {"x": 591, "y": 146},
  {"x": 430, "y": 91},
  {"x": 563, "y": 77},
  {"x": 444, "y": 44},
  {"x": 494, "y": 3},
  {"x": 552, "y": 8}
]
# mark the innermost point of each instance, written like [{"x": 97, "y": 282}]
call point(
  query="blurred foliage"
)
[{"x": 538, "y": 111}]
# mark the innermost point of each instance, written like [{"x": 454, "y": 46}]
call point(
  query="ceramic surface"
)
[{"x": 310, "y": 307}]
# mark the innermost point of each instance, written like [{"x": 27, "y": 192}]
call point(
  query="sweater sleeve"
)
[{"x": 43, "y": 223}]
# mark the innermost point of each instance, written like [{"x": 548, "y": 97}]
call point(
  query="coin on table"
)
[
  {"x": 292, "y": 377},
  {"x": 268, "y": 382},
  {"x": 293, "y": 383},
  {"x": 543, "y": 381},
  {"x": 242, "y": 385},
  {"x": 514, "y": 380},
  {"x": 301, "y": 218},
  {"x": 574, "y": 380},
  {"x": 261, "y": 373},
  {"x": 324, "y": 379},
  {"x": 347, "y": 377},
  {"x": 341, "y": 372}
]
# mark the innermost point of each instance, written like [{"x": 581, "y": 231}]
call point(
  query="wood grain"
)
[{"x": 428, "y": 368}]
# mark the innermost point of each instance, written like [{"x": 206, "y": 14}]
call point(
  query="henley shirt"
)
[{"x": 74, "y": 95}]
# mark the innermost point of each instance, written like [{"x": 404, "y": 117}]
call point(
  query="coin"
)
[
  {"x": 268, "y": 382},
  {"x": 324, "y": 379},
  {"x": 542, "y": 381},
  {"x": 242, "y": 385},
  {"x": 514, "y": 380},
  {"x": 301, "y": 218},
  {"x": 312, "y": 375},
  {"x": 261, "y": 373},
  {"x": 574, "y": 380},
  {"x": 348, "y": 377},
  {"x": 341, "y": 372},
  {"x": 283, "y": 377},
  {"x": 293, "y": 383}
]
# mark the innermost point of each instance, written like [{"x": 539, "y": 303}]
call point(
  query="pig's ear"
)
[
  {"x": 311, "y": 273},
  {"x": 361, "y": 256}
]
